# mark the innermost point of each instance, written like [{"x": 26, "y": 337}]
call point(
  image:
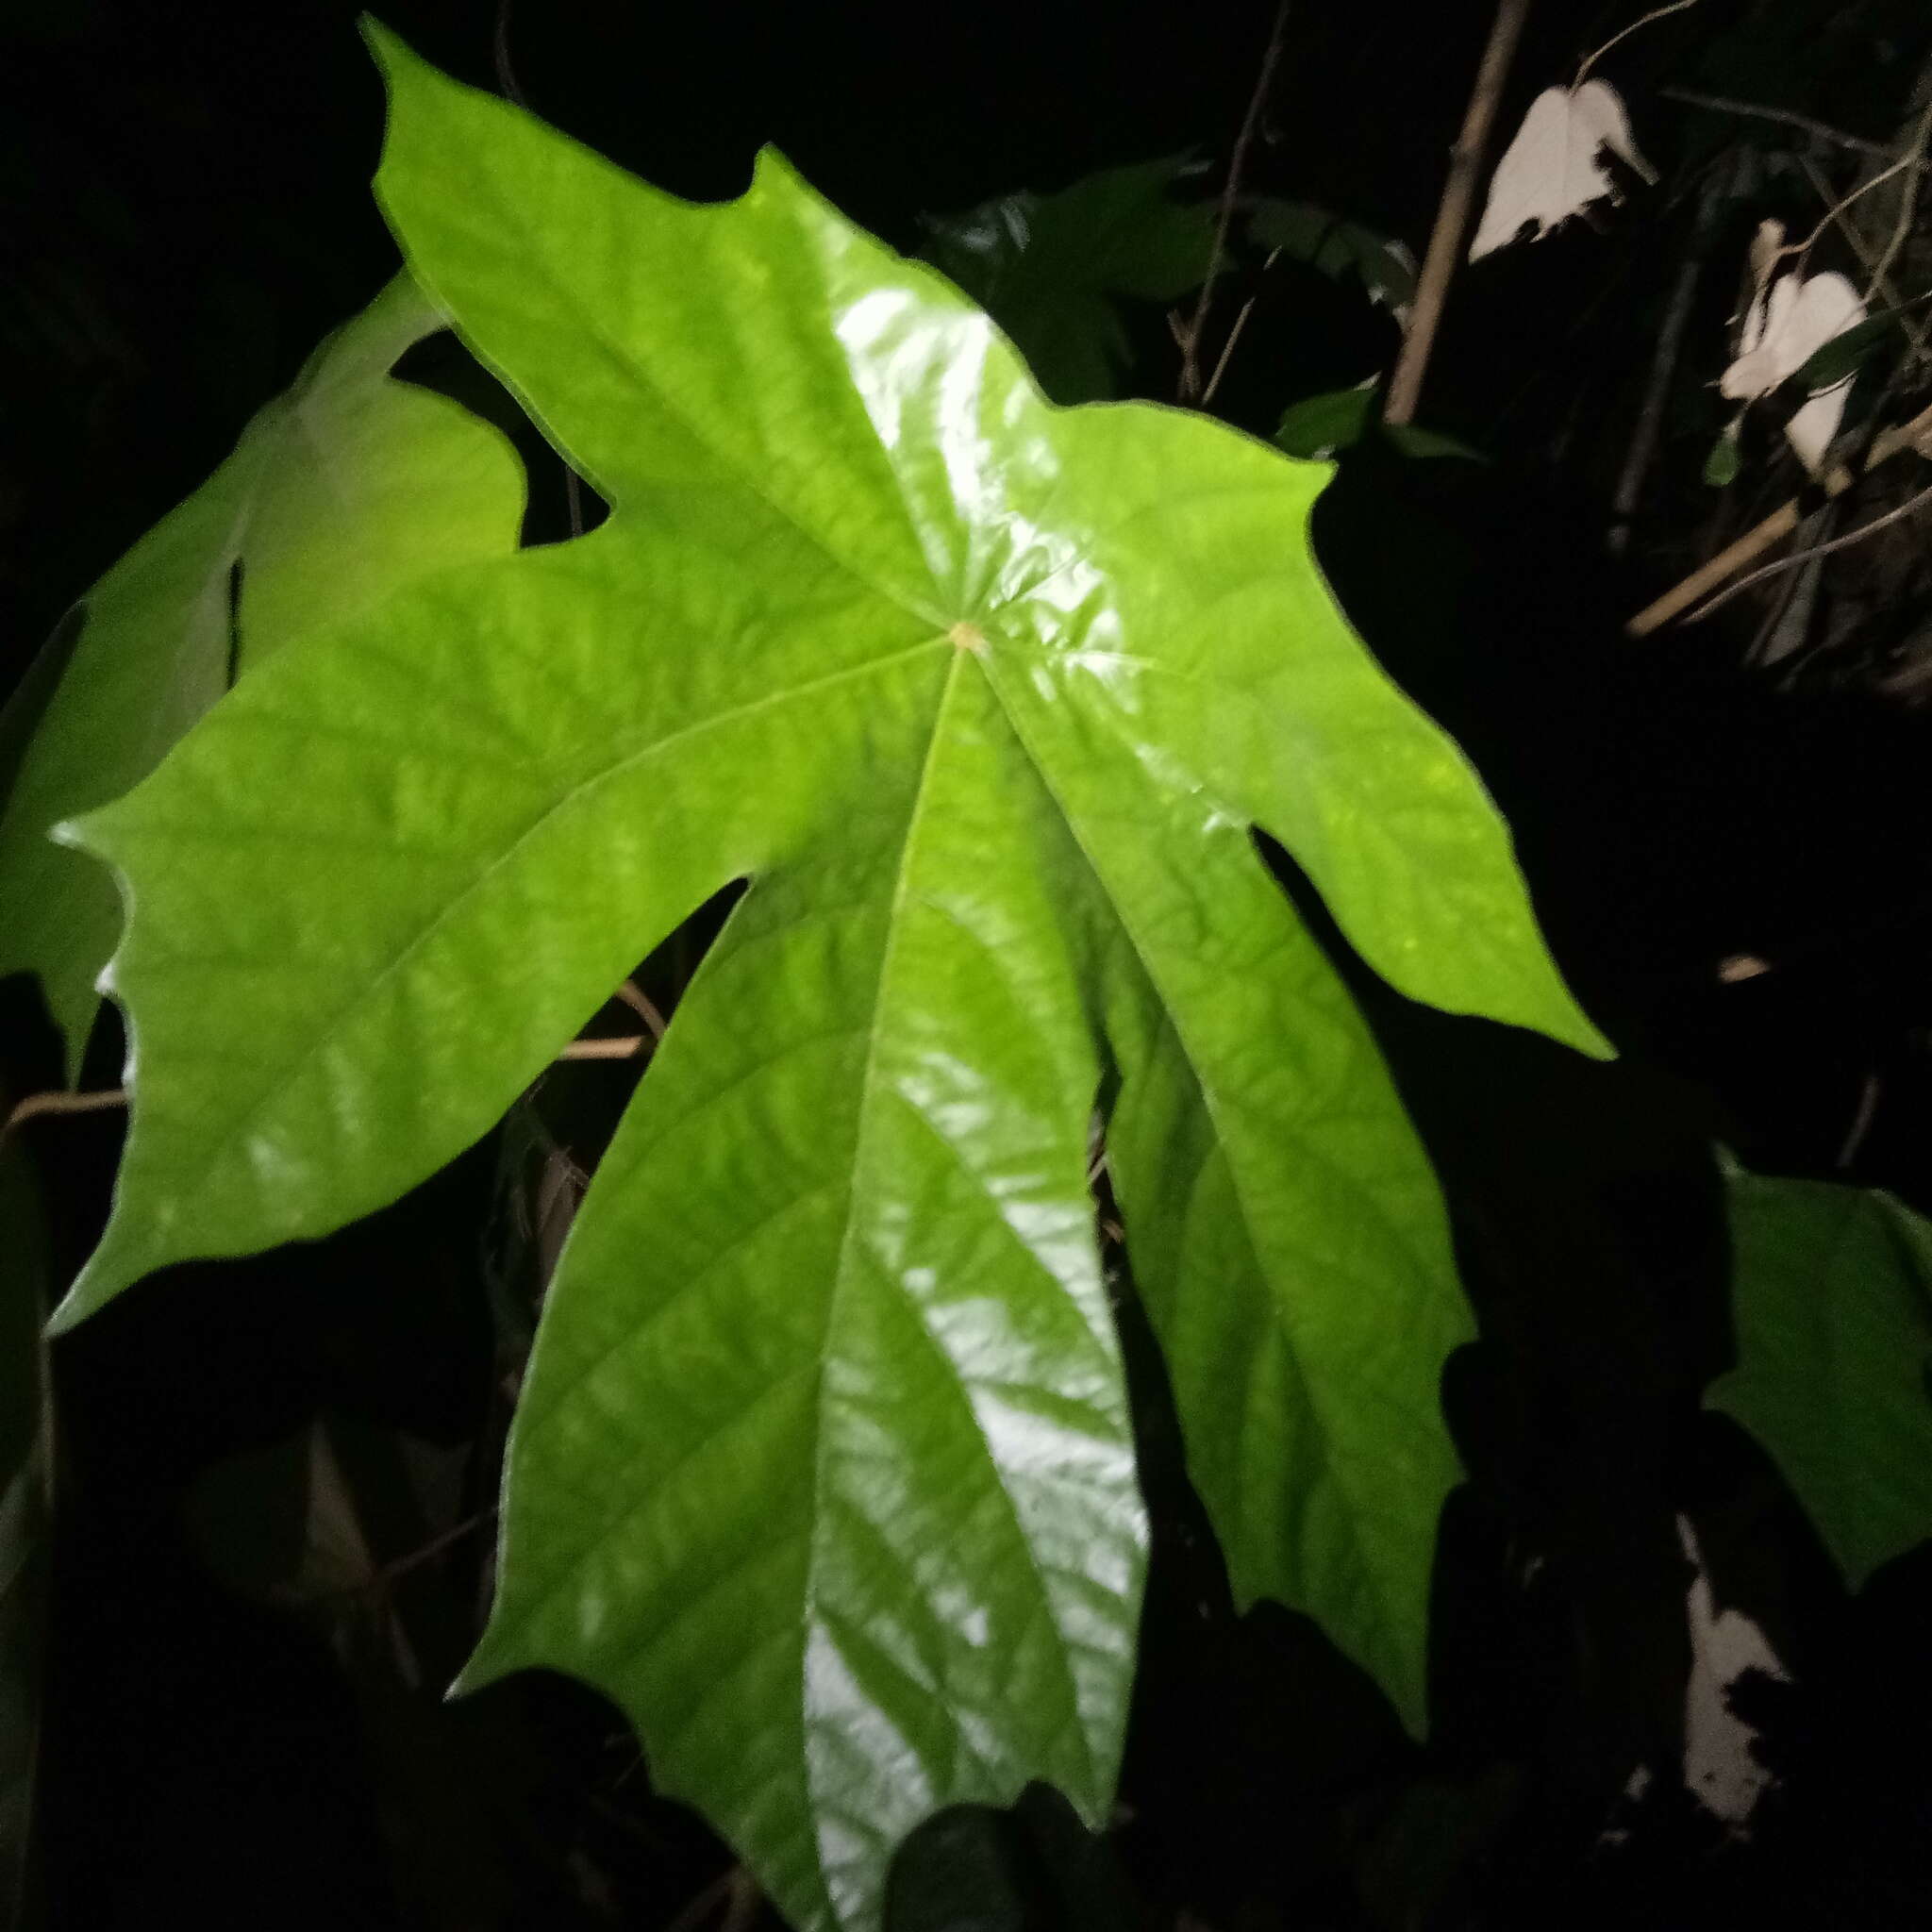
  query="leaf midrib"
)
[{"x": 965, "y": 663}]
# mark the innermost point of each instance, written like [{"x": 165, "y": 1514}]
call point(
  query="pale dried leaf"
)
[
  {"x": 1722, "y": 1770},
  {"x": 1554, "y": 168},
  {"x": 1783, "y": 330}
]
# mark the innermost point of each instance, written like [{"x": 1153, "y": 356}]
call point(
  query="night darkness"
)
[{"x": 187, "y": 212}]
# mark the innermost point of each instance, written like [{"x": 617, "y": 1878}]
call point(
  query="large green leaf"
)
[
  {"x": 1832, "y": 1299},
  {"x": 346, "y": 487},
  {"x": 823, "y": 1469},
  {"x": 1050, "y": 267},
  {"x": 26, "y": 1518}
]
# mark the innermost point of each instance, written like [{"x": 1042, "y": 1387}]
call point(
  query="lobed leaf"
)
[{"x": 824, "y": 1466}]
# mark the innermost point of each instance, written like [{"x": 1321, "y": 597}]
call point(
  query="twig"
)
[
  {"x": 505, "y": 72},
  {"x": 1670, "y": 345},
  {"x": 1723, "y": 104},
  {"x": 1234, "y": 335},
  {"x": 59, "y": 1101},
  {"x": 434, "y": 1547},
  {"x": 1825, "y": 549},
  {"x": 1655, "y": 13},
  {"x": 1881, "y": 283},
  {"x": 1452, "y": 214},
  {"x": 1836, "y": 212},
  {"x": 1908, "y": 200},
  {"x": 626, "y": 1046},
  {"x": 1190, "y": 387},
  {"x": 1772, "y": 529},
  {"x": 1861, "y": 1121},
  {"x": 634, "y": 996}
]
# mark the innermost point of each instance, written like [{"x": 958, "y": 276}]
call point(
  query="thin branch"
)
[
  {"x": 1822, "y": 130},
  {"x": 1234, "y": 335},
  {"x": 1881, "y": 283},
  {"x": 1908, "y": 200},
  {"x": 1451, "y": 215},
  {"x": 1836, "y": 212},
  {"x": 1861, "y": 1122},
  {"x": 625, "y": 1046},
  {"x": 634, "y": 996},
  {"x": 1894, "y": 515},
  {"x": 434, "y": 1547},
  {"x": 1664, "y": 358},
  {"x": 506, "y": 70},
  {"x": 1914, "y": 435},
  {"x": 1655, "y": 13},
  {"x": 1190, "y": 339},
  {"x": 59, "y": 1100}
]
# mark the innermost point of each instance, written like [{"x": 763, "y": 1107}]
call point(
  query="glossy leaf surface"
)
[
  {"x": 340, "y": 489},
  {"x": 1049, "y": 268},
  {"x": 1832, "y": 1300},
  {"x": 822, "y": 1469}
]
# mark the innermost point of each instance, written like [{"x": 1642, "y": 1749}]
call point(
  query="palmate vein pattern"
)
[{"x": 823, "y": 1469}]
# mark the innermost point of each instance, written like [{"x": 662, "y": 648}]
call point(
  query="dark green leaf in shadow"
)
[
  {"x": 1721, "y": 467},
  {"x": 1844, "y": 354},
  {"x": 1319, "y": 426},
  {"x": 1050, "y": 267},
  {"x": 1832, "y": 1300},
  {"x": 1033, "y": 1868},
  {"x": 1325, "y": 241},
  {"x": 1327, "y": 425}
]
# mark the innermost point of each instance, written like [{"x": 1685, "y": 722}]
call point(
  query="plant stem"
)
[
  {"x": 1915, "y": 435},
  {"x": 1822, "y": 130},
  {"x": 1191, "y": 388},
  {"x": 1670, "y": 344},
  {"x": 1451, "y": 215},
  {"x": 623, "y": 1047},
  {"x": 57, "y": 1101},
  {"x": 1908, "y": 201},
  {"x": 1896, "y": 514},
  {"x": 1836, "y": 212},
  {"x": 1881, "y": 283},
  {"x": 1655, "y": 13}
]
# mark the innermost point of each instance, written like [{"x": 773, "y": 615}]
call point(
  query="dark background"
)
[{"x": 184, "y": 204}]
